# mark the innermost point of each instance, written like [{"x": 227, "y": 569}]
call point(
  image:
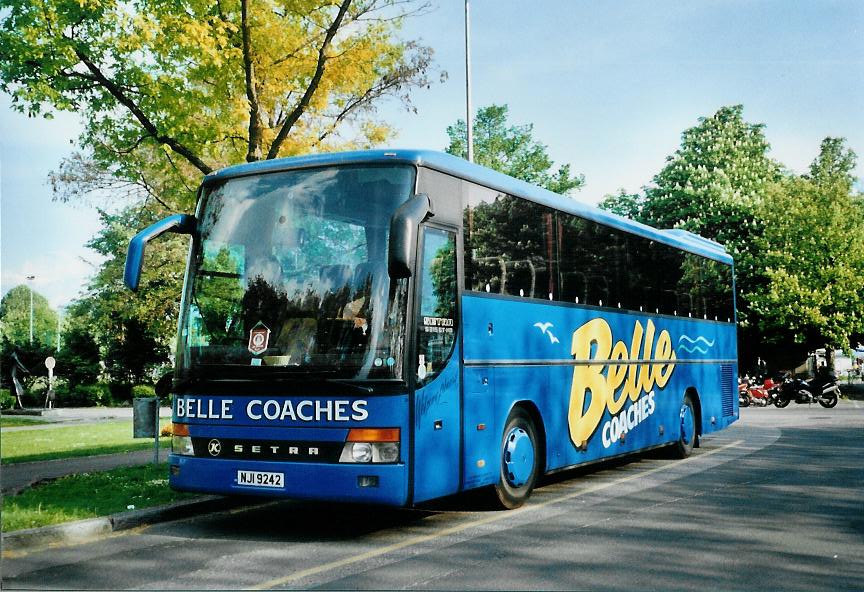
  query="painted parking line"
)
[{"x": 419, "y": 540}]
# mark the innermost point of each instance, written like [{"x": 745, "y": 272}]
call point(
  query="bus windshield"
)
[{"x": 288, "y": 277}]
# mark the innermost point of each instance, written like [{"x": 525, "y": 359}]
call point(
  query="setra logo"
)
[
  {"x": 214, "y": 447},
  {"x": 615, "y": 359}
]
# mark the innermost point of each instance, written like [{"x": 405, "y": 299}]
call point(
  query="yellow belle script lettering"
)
[{"x": 603, "y": 380}]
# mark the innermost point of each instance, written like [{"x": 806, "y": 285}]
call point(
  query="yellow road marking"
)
[{"x": 418, "y": 540}]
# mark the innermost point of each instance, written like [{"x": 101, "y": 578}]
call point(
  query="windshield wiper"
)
[
  {"x": 242, "y": 374},
  {"x": 359, "y": 387}
]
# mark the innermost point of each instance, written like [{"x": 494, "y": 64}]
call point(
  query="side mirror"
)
[
  {"x": 403, "y": 234},
  {"x": 163, "y": 386},
  {"x": 179, "y": 223}
]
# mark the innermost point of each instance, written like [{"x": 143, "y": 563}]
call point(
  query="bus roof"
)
[{"x": 463, "y": 169}]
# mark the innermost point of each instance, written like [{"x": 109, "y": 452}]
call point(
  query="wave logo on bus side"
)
[
  {"x": 690, "y": 345},
  {"x": 621, "y": 381}
]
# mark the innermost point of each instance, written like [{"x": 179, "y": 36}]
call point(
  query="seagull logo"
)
[{"x": 544, "y": 328}]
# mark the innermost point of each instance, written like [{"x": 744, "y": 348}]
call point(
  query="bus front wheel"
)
[{"x": 520, "y": 460}]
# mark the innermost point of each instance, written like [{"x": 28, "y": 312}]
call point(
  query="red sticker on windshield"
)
[{"x": 259, "y": 337}]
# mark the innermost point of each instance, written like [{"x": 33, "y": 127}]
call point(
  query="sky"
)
[{"x": 608, "y": 87}]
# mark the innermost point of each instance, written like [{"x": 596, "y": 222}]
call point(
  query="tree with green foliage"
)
[
  {"x": 134, "y": 352},
  {"x": 624, "y": 204},
  {"x": 811, "y": 256},
  {"x": 79, "y": 357},
  {"x": 512, "y": 150},
  {"x": 209, "y": 83},
  {"x": 834, "y": 165},
  {"x": 15, "y": 318},
  {"x": 712, "y": 184},
  {"x": 120, "y": 321}
]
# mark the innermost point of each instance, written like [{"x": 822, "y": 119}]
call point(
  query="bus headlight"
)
[
  {"x": 371, "y": 446},
  {"x": 388, "y": 452},
  {"x": 181, "y": 443},
  {"x": 361, "y": 452}
]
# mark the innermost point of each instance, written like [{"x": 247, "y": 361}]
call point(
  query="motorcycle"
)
[
  {"x": 765, "y": 393},
  {"x": 751, "y": 393},
  {"x": 743, "y": 393},
  {"x": 805, "y": 392}
]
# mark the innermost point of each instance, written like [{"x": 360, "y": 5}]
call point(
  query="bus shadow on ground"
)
[
  {"x": 294, "y": 521},
  {"x": 299, "y": 521},
  {"x": 484, "y": 499}
]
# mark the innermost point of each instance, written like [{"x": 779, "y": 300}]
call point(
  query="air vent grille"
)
[{"x": 727, "y": 392}]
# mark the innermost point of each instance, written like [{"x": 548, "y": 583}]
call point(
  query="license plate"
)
[{"x": 260, "y": 479}]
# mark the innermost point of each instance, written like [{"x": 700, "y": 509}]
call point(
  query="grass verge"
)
[
  {"x": 71, "y": 441},
  {"x": 89, "y": 495},
  {"x": 14, "y": 421}
]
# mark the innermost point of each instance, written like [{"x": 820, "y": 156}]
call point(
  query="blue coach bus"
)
[{"x": 394, "y": 327}]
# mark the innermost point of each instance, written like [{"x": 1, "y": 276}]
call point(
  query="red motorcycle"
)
[
  {"x": 743, "y": 392},
  {"x": 751, "y": 393}
]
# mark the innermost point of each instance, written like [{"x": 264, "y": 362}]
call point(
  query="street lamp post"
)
[
  {"x": 468, "y": 109},
  {"x": 30, "y": 279},
  {"x": 59, "y": 318}
]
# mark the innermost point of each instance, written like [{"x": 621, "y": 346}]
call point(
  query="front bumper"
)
[{"x": 309, "y": 481}]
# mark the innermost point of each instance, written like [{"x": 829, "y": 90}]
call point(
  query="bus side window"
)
[
  {"x": 490, "y": 273},
  {"x": 509, "y": 245},
  {"x": 436, "y": 322},
  {"x": 717, "y": 290},
  {"x": 574, "y": 287}
]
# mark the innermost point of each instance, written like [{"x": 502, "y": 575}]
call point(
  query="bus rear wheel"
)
[
  {"x": 688, "y": 433},
  {"x": 520, "y": 460}
]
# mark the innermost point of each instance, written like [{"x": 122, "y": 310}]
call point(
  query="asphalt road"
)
[{"x": 775, "y": 502}]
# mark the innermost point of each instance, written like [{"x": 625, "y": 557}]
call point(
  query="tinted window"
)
[
  {"x": 643, "y": 292},
  {"x": 717, "y": 291},
  {"x": 592, "y": 263},
  {"x": 517, "y": 247},
  {"x": 509, "y": 245}
]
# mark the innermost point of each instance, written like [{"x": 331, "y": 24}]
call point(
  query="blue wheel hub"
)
[
  {"x": 688, "y": 424},
  {"x": 518, "y": 457}
]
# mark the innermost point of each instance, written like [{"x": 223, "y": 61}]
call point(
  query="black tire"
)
[
  {"x": 688, "y": 429},
  {"x": 828, "y": 401},
  {"x": 516, "y": 479},
  {"x": 780, "y": 402},
  {"x": 744, "y": 401}
]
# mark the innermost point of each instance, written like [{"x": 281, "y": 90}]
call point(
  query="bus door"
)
[{"x": 436, "y": 410}]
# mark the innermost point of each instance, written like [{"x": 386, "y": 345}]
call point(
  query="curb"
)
[{"x": 82, "y": 530}]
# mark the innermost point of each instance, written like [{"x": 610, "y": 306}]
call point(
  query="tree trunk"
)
[{"x": 829, "y": 357}]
